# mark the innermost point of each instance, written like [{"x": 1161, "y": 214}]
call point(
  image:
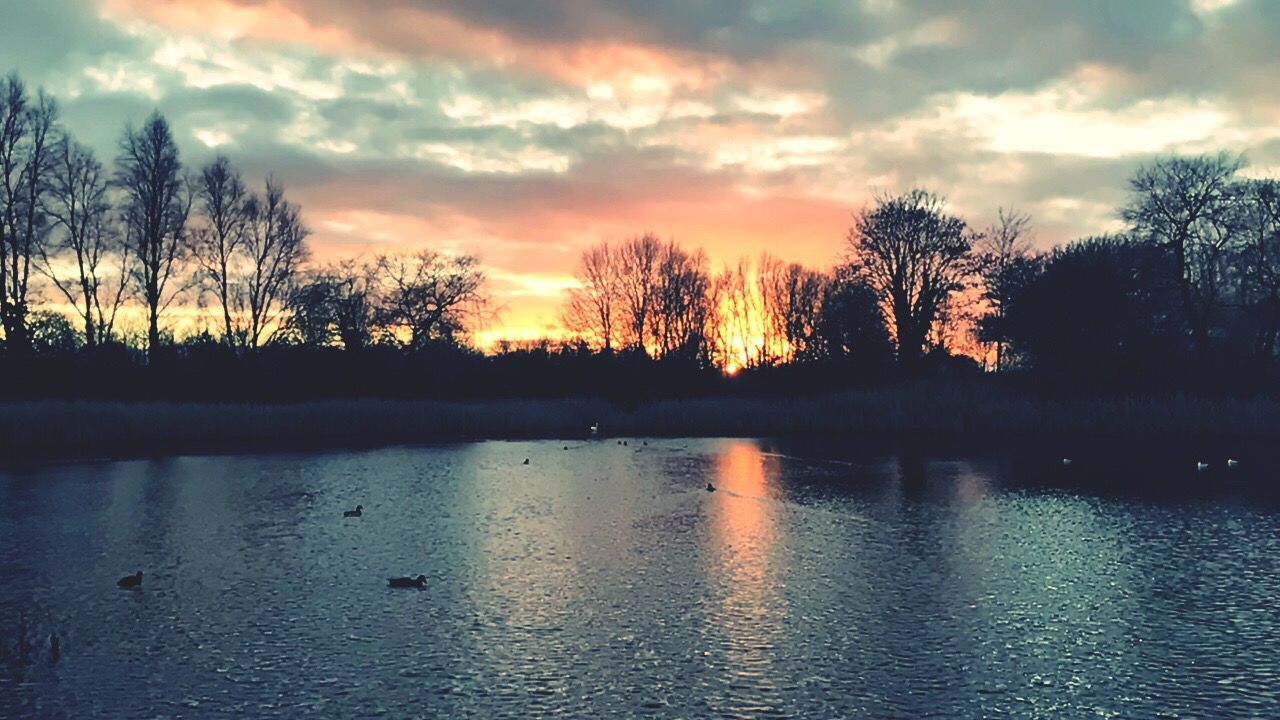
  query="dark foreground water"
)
[{"x": 605, "y": 581}]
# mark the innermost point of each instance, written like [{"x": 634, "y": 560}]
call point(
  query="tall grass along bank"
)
[{"x": 46, "y": 430}]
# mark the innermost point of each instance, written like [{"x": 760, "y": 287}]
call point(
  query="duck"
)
[
  {"x": 1232, "y": 462},
  {"x": 354, "y": 513},
  {"x": 130, "y": 581},
  {"x": 1066, "y": 461},
  {"x": 526, "y": 461},
  {"x": 1202, "y": 466},
  {"x": 711, "y": 488},
  {"x": 407, "y": 582},
  {"x": 594, "y": 429}
]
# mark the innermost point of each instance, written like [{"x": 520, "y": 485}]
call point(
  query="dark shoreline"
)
[{"x": 55, "y": 430}]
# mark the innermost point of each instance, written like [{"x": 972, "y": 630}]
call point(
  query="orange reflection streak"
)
[
  {"x": 751, "y": 612},
  {"x": 744, "y": 528}
]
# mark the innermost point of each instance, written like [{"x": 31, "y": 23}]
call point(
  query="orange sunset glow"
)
[{"x": 523, "y": 133}]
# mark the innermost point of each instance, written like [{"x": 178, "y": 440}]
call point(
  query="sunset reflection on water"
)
[{"x": 749, "y": 614}]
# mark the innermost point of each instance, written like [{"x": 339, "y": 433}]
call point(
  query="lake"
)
[{"x": 605, "y": 580}]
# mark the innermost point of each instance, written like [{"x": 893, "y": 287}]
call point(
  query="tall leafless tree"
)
[
  {"x": 275, "y": 249},
  {"x": 27, "y": 137},
  {"x": 224, "y": 201},
  {"x": 798, "y": 294},
  {"x": 336, "y": 304},
  {"x": 1187, "y": 207},
  {"x": 681, "y": 311},
  {"x": 1259, "y": 222},
  {"x": 429, "y": 296},
  {"x": 1002, "y": 245},
  {"x": 637, "y": 263},
  {"x": 592, "y": 309},
  {"x": 740, "y": 317},
  {"x": 157, "y": 202},
  {"x": 89, "y": 242},
  {"x": 915, "y": 256},
  {"x": 769, "y": 293}
]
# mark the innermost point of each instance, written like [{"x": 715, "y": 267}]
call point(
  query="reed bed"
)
[{"x": 52, "y": 429}]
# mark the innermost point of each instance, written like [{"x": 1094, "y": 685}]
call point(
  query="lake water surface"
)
[{"x": 604, "y": 580}]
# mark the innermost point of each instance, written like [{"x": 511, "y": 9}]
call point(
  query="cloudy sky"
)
[{"x": 523, "y": 130}]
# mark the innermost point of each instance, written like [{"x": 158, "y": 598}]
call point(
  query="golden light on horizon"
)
[{"x": 467, "y": 128}]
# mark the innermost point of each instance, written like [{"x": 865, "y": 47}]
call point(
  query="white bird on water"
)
[
  {"x": 595, "y": 429},
  {"x": 1066, "y": 461},
  {"x": 1202, "y": 466},
  {"x": 1232, "y": 462}
]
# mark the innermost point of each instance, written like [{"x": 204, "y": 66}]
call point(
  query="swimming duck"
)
[
  {"x": 1232, "y": 462},
  {"x": 711, "y": 488},
  {"x": 1202, "y": 466},
  {"x": 406, "y": 582},
  {"x": 1066, "y": 461},
  {"x": 526, "y": 461},
  {"x": 130, "y": 581},
  {"x": 354, "y": 513}
]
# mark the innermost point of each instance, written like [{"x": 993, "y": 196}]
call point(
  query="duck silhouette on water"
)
[
  {"x": 711, "y": 488},
  {"x": 358, "y": 512},
  {"x": 130, "y": 581},
  {"x": 406, "y": 582}
]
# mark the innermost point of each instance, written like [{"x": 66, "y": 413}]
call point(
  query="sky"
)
[{"x": 525, "y": 130}]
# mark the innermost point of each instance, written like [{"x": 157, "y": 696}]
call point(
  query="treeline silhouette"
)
[{"x": 1186, "y": 299}]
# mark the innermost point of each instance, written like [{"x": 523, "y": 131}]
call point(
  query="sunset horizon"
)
[{"x": 742, "y": 130}]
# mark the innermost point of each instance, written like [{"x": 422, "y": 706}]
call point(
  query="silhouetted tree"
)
[
  {"x": 1002, "y": 252},
  {"x": 769, "y": 294},
  {"x": 740, "y": 316},
  {"x": 1095, "y": 316},
  {"x": 796, "y": 296},
  {"x": 1259, "y": 223},
  {"x": 428, "y": 296},
  {"x": 592, "y": 309},
  {"x": 335, "y": 305},
  {"x": 52, "y": 334},
  {"x": 309, "y": 313},
  {"x": 216, "y": 244},
  {"x": 915, "y": 256},
  {"x": 157, "y": 202},
  {"x": 681, "y": 311},
  {"x": 1005, "y": 285},
  {"x": 1186, "y": 206},
  {"x": 851, "y": 324},
  {"x": 353, "y": 301},
  {"x": 89, "y": 241},
  {"x": 274, "y": 249},
  {"x": 27, "y": 139},
  {"x": 636, "y": 265}
]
